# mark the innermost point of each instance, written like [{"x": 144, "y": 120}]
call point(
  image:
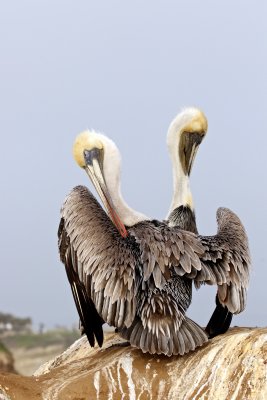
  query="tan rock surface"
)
[{"x": 231, "y": 366}]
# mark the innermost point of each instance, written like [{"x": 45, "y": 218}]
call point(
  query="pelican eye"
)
[{"x": 94, "y": 154}]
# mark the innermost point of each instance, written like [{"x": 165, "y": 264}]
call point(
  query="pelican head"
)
[
  {"x": 185, "y": 134},
  {"x": 88, "y": 152},
  {"x": 85, "y": 142},
  {"x": 100, "y": 158}
]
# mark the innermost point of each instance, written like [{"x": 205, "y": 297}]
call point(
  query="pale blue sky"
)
[{"x": 126, "y": 69}]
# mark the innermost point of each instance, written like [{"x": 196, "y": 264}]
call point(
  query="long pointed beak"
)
[
  {"x": 94, "y": 171},
  {"x": 188, "y": 149}
]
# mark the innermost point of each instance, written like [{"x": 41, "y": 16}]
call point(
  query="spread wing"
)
[
  {"x": 222, "y": 260},
  {"x": 102, "y": 267},
  {"x": 225, "y": 261}
]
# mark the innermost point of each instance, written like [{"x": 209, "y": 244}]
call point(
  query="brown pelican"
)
[
  {"x": 184, "y": 136},
  {"x": 137, "y": 276}
]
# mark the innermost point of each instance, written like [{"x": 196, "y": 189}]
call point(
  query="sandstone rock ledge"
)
[{"x": 231, "y": 366}]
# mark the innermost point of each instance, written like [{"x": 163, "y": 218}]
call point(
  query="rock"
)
[
  {"x": 3, "y": 395},
  {"x": 231, "y": 366}
]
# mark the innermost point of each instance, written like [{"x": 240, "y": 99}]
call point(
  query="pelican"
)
[
  {"x": 136, "y": 271},
  {"x": 184, "y": 136}
]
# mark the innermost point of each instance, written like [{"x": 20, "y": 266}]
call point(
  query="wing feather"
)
[
  {"x": 90, "y": 319},
  {"x": 222, "y": 259},
  {"x": 104, "y": 263}
]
